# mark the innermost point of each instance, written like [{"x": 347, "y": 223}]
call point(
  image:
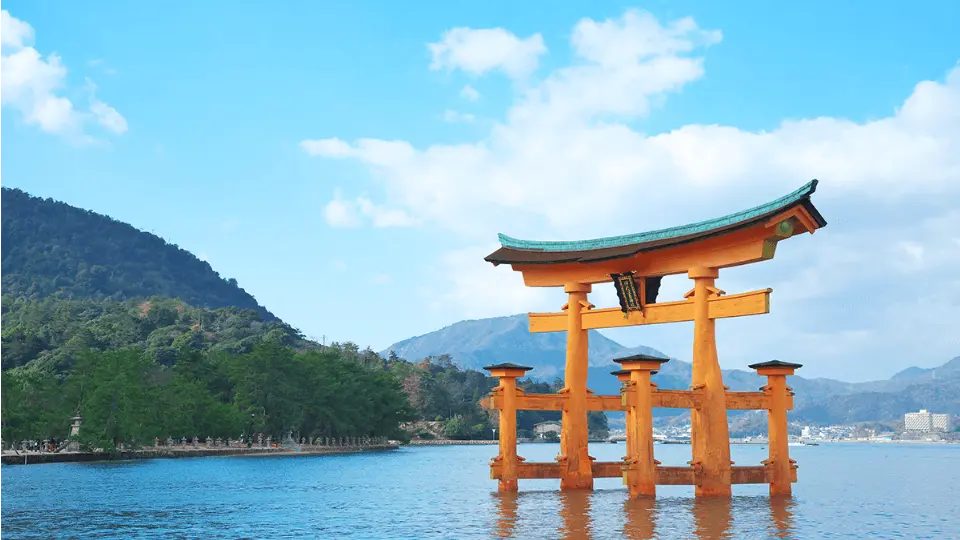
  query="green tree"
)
[{"x": 116, "y": 399}]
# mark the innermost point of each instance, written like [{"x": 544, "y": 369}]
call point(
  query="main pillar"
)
[
  {"x": 576, "y": 469},
  {"x": 779, "y": 463},
  {"x": 507, "y": 459},
  {"x": 710, "y": 436},
  {"x": 641, "y": 467}
]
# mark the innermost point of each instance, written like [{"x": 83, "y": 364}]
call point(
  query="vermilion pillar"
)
[
  {"x": 779, "y": 462},
  {"x": 623, "y": 377},
  {"x": 710, "y": 436},
  {"x": 507, "y": 459},
  {"x": 641, "y": 467},
  {"x": 576, "y": 469}
]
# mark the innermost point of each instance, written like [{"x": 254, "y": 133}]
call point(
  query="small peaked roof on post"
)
[
  {"x": 620, "y": 372},
  {"x": 515, "y": 251},
  {"x": 507, "y": 365},
  {"x": 775, "y": 363},
  {"x": 641, "y": 358}
]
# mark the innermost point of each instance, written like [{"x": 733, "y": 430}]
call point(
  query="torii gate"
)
[{"x": 636, "y": 264}]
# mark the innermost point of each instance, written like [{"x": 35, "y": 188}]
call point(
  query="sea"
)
[{"x": 843, "y": 491}]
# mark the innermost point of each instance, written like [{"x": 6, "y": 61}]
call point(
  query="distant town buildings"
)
[
  {"x": 926, "y": 421},
  {"x": 540, "y": 430}
]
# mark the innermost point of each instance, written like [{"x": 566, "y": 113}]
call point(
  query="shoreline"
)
[
  {"x": 450, "y": 442},
  {"x": 38, "y": 458}
]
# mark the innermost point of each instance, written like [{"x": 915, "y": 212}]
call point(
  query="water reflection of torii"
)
[{"x": 712, "y": 517}]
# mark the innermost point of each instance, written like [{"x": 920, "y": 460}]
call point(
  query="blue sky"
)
[{"x": 238, "y": 133}]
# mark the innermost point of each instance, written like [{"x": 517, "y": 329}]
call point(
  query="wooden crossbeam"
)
[
  {"x": 667, "y": 399},
  {"x": 720, "y": 307},
  {"x": 666, "y": 476}
]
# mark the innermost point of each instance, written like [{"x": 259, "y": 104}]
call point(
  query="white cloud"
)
[
  {"x": 565, "y": 163},
  {"x": 340, "y": 213},
  {"x": 14, "y": 33},
  {"x": 384, "y": 217},
  {"x": 454, "y": 117},
  {"x": 30, "y": 83},
  {"x": 108, "y": 117},
  {"x": 469, "y": 93},
  {"x": 480, "y": 51},
  {"x": 327, "y": 148},
  {"x": 345, "y": 213},
  {"x": 502, "y": 290}
]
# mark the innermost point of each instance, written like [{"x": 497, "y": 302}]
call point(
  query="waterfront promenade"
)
[{"x": 188, "y": 451}]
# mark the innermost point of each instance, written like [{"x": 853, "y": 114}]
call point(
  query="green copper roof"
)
[{"x": 662, "y": 234}]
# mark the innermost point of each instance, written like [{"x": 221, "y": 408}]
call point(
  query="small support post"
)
[
  {"x": 623, "y": 377},
  {"x": 508, "y": 459},
  {"x": 779, "y": 463},
  {"x": 640, "y": 467}
]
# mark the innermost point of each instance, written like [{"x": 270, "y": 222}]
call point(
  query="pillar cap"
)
[
  {"x": 775, "y": 364},
  {"x": 507, "y": 370},
  {"x": 641, "y": 362},
  {"x": 775, "y": 367},
  {"x": 641, "y": 358},
  {"x": 507, "y": 365},
  {"x": 626, "y": 372}
]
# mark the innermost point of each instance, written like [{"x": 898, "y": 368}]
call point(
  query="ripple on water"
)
[{"x": 847, "y": 491}]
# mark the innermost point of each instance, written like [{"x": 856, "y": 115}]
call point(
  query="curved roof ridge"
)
[{"x": 661, "y": 234}]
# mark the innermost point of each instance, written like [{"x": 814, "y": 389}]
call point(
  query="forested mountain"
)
[
  {"x": 52, "y": 333},
  {"x": 126, "y": 398},
  {"x": 50, "y": 248}
]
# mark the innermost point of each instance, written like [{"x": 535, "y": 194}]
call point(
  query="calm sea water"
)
[{"x": 845, "y": 491}]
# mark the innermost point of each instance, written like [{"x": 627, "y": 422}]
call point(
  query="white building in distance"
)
[
  {"x": 926, "y": 421},
  {"x": 541, "y": 429}
]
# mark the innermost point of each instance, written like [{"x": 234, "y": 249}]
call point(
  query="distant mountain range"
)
[{"x": 476, "y": 343}]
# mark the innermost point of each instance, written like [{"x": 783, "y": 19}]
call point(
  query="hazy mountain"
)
[{"x": 476, "y": 343}]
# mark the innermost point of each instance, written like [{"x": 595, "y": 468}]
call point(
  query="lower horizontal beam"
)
[
  {"x": 666, "y": 399},
  {"x": 666, "y": 476}
]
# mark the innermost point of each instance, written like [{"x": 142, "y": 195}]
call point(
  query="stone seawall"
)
[
  {"x": 34, "y": 458},
  {"x": 445, "y": 442}
]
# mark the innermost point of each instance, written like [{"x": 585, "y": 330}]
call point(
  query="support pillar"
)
[
  {"x": 576, "y": 467},
  {"x": 710, "y": 436},
  {"x": 640, "y": 467},
  {"x": 779, "y": 463},
  {"x": 623, "y": 377},
  {"x": 508, "y": 458}
]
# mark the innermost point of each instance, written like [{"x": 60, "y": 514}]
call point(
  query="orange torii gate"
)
[{"x": 636, "y": 263}]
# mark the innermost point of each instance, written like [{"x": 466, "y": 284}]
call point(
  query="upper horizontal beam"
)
[
  {"x": 751, "y": 245},
  {"x": 719, "y": 307}
]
